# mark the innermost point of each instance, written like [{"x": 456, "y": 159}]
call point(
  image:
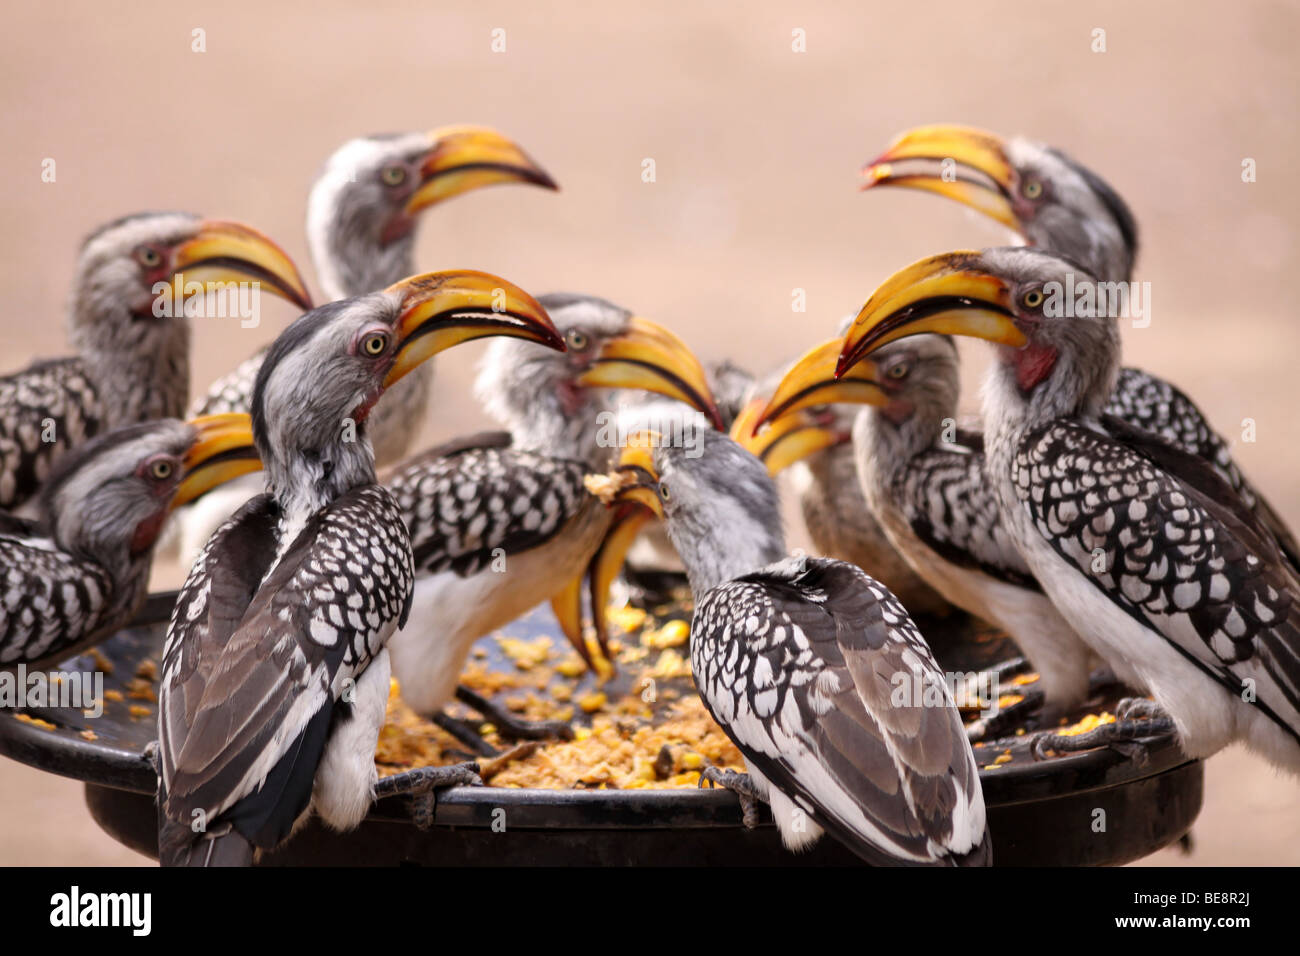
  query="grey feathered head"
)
[
  {"x": 720, "y": 506},
  {"x": 364, "y": 203},
  {"x": 1056, "y": 203},
  {"x": 561, "y": 404},
  {"x": 1053, "y": 323},
  {"x": 107, "y": 500}
]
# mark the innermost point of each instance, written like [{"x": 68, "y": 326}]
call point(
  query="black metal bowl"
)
[{"x": 1090, "y": 808}]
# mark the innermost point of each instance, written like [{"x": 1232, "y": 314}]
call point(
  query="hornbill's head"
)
[
  {"x": 107, "y": 501},
  {"x": 363, "y": 206},
  {"x": 914, "y": 383},
  {"x": 125, "y": 265},
  {"x": 553, "y": 401},
  {"x": 1048, "y": 198},
  {"x": 323, "y": 375},
  {"x": 1057, "y": 341},
  {"x": 718, "y": 502}
]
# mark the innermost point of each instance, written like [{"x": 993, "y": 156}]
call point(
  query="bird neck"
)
[
  {"x": 308, "y": 480},
  {"x": 729, "y": 541},
  {"x": 140, "y": 365},
  {"x": 349, "y": 255}
]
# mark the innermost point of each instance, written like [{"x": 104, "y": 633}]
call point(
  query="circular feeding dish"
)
[{"x": 1093, "y": 807}]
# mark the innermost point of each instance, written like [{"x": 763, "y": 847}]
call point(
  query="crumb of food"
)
[
  {"x": 526, "y": 654},
  {"x": 35, "y": 721},
  {"x": 88, "y": 735},
  {"x": 102, "y": 663},
  {"x": 590, "y": 703},
  {"x": 139, "y": 710},
  {"x": 1020, "y": 680},
  {"x": 1090, "y": 722},
  {"x": 672, "y": 634},
  {"x": 148, "y": 670},
  {"x": 141, "y": 689},
  {"x": 606, "y": 487},
  {"x": 114, "y": 695}
]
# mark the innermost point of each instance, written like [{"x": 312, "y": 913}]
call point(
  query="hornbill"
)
[
  {"x": 500, "y": 521},
  {"x": 361, "y": 216},
  {"x": 1060, "y": 206},
  {"x": 80, "y": 571},
  {"x": 813, "y": 669},
  {"x": 924, "y": 481},
  {"x": 128, "y": 325},
  {"x": 275, "y": 673},
  {"x": 1143, "y": 547}
]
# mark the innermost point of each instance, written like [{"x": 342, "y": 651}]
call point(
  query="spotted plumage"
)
[
  {"x": 815, "y": 671},
  {"x": 276, "y": 623},
  {"x": 49, "y": 598},
  {"x": 478, "y": 499},
  {"x": 1183, "y": 560},
  {"x": 50, "y": 407},
  {"x": 818, "y": 674}
]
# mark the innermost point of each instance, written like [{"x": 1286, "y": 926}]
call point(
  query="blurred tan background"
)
[{"x": 757, "y": 149}]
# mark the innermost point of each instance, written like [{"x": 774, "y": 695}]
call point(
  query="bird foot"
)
[
  {"x": 1135, "y": 718},
  {"x": 510, "y": 726},
  {"x": 741, "y": 785},
  {"x": 422, "y": 785}
]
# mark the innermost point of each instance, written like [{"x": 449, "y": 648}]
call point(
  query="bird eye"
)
[
  {"x": 376, "y": 343},
  {"x": 1032, "y": 189},
  {"x": 161, "y": 470},
  {"x": 575, "y": 340},
  {"x": 663, "y": 491},
  {"x": 899, "y": 371},
  {"x": 393, "y": 175},
  {"x": 148, "y": 257},
  {"x": 1032, "y": 299}
]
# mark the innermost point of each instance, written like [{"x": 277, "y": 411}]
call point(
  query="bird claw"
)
[
  {"x": 421, "y": 786},
  {"x": 1135, "y": 718},
  {"x": 741, "y": 784}
]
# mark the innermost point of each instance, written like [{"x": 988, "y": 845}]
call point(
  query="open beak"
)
[
  {"x": 947, "y": 294},
  {"x": 649, "y": 356},
  {"x": 442, "y": 309},
  {"x": 787, "y": 439},
  {"x": 639, "y": 481},
  {"x": 231, "y": 252},
  {"x": 979, "y": 175},
  {"x": 462, "y": 158},
  {"x": 223, "y": 449},
  {"x": 600, "y": 574}
]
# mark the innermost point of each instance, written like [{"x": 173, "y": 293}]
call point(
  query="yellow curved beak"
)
[
  {"x": 462, "y": 158},
  {"x": 958, "y": 162},
  {"x": 811, "y": 381},
  {"x": 222, "y": 253},
  {"x": 651, "y": 357},
  {"x": 223, "y": 449},
  {"x": 442, "y": 309},
  {"x": 947, "y": 294},
  {"x": 789, "y": 438}
]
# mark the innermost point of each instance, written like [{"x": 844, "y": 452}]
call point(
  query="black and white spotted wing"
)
[
  {"x": 824, "y": 683},
  {"x": 50, "y": 601},
  {"x": 1143, "y": 401},
  {"x": 255, "y": 670},
  {"x": 45, "y": 411},
  {"x": 1180, "y": 553},
  {"x": 951, "y": 506},
  {"x": 465, "y": 500}
]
